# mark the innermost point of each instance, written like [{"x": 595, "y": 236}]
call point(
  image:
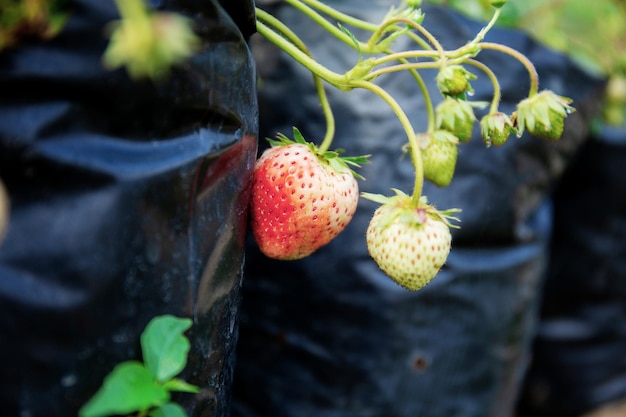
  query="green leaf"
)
[
  {"x": 165, "y": 347},
  {"x": 181, "y": 386},
  {"x": 129, "y": 388},
  {"x": 169, "y": 410},
  {"x": 297, "y": 136}
]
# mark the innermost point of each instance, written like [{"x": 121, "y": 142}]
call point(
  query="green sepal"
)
[{"x": 338, "y": 162}]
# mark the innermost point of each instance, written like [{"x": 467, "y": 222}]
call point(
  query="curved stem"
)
[
  {"x": 324, "y": 23},
  {"x": 402, "y": 67},
  {"x": 497, "y": 93},
  {"x": 301, "y": 57},
  {"x": 319, "y": 86},
  {"x": 481, "y": 35},
  {"x": 342, "y": 17},
  {"x": 532, "y": 71},
  {"x": 434, "y": 42},
  {"x": 428, "y": 102},
  {"x": 410, "y": 132}
]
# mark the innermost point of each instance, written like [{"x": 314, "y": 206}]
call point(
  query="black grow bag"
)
[
  {"x": 331, "y": 335},
  {"x": 128, "y": 202},
  {"x": 578, "y": 357}
]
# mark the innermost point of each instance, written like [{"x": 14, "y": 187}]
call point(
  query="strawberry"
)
[
  {"x": 439, "y": 155},
  {"x": 409, "y": 242},
  {"x": 301, "y": 198}
]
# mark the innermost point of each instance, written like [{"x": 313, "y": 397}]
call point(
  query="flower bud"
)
[
  {"x": 456, "y": 116},
  {"x": 543, "y": 115},
  {"x": 495, "y": 129},
  {"x": 454, "y": 80}
]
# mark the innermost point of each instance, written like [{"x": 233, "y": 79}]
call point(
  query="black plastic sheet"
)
[
  {"x": 578, "y": 356},
  {"x": 331, "y": 335},
  {"x": 128, "y": 202}
]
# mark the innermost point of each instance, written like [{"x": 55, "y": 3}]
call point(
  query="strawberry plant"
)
[
  {"x": 143, "y": 389},
  {"x": 408, "y": 237},
  {"x": 304, "y": 193}
]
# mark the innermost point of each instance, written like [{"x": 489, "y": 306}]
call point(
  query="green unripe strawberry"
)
[
  {"x": 439, "y": 155},
  {"x": 410, "y": 244},
  {"x": 495, "y": 129},
  {"x": 543, "y": 115},
  {"x": 454, "y": 80},
  {"x": 457, "y": 117}
]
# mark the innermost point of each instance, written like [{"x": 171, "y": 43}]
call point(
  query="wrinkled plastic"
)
[
  {"x": 331, "y": 335},
  {"x": 128, "y": 202},
  {"x": 578, "y": 356}
]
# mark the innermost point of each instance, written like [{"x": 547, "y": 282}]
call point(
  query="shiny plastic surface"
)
[{"x": 128, "y": 201}]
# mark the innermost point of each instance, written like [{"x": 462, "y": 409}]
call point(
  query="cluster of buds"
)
[{"x": 541, "y": 114}]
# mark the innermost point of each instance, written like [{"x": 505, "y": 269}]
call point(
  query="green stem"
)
[
  {"x": 434, "y": 42},
  {"x": 481, "y": 35},
  {"x": 408, "y": 128},
  {"x": 430, "y": 108},
  {"x": 325, "y": 24},
  {"x": 301, "y": 57},
  {"x": 497, "y": 92},
  {"x": 532, "y": 71},
  {"x": 342, "y": 17},
  {"x": 319, "y": 86}
]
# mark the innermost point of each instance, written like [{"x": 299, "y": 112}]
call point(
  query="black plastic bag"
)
[
  {"x": 578, "y": 357},
  {"x": 128, "y": 202},
  {"x": 331, "y": 335}
]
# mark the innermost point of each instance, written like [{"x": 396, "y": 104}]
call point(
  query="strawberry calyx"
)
[
  {"x": 407, "y": 211},
  {"x": 339, "y": 163}
]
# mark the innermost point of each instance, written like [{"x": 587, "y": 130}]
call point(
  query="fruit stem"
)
[
  {"x": 483, "y": 32},
  {"x": 408, "y": 128},
  {"x": 335, "y": 14},
  {"x": 497, "y": 93},
  {"x": 532, "y": 71},
  {"x": 301, "y": 57},
  {"x": 325, "y": 24},
  {"x": 319, "y": 86},
  {"x": 434, "y": 42}
]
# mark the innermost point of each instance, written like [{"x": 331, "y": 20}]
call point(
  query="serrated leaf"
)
[
  {"x": 129, "y": 388},
  {"x": 180, "y": 386},
  {"x": 169, "y": 410},
  {"x": 164, "y": 346}
]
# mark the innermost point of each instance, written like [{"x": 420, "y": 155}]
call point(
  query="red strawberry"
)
[
  {"x": 301, "y": 198},
  {"x": 410, "y": 244}
]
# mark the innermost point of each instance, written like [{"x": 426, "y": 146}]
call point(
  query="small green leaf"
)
[
  {"x": 181, "y": 386},
  {"x": 165, "y": 347},
  {"x": 297, "y": 136},
  {"x": 130, "y": 387},
  {"x": 169, "y": 410}
]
